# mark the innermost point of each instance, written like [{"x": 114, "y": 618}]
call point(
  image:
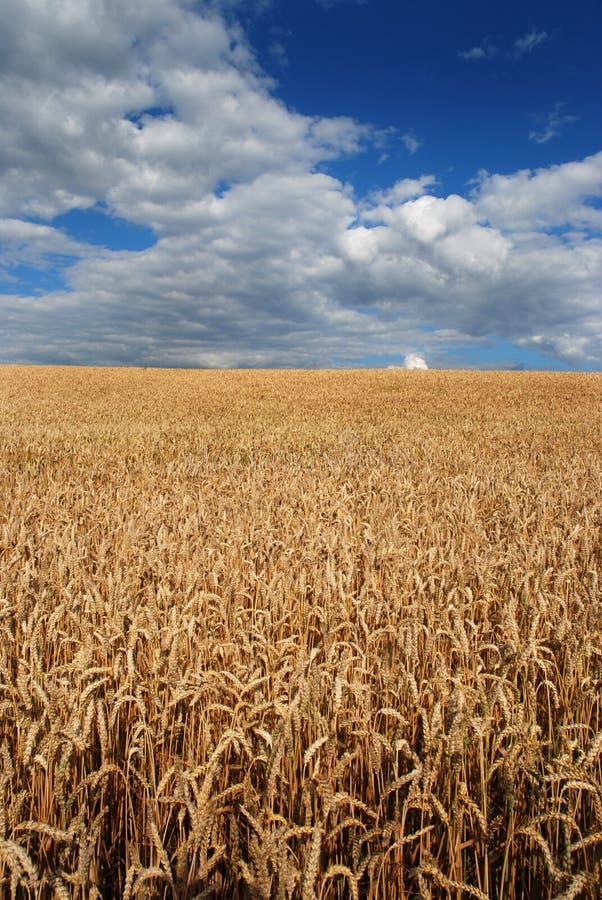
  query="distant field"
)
[{"x": 277, "y": 635}]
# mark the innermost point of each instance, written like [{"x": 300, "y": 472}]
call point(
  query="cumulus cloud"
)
[
  {"x": 38, "y": 247},
  {"x": 159, "y": 111},
  {"x": 404, "y": 189},
  {"x": 31, "y": 238},
  {"x": 414, "y": 361},
  {"x": 81, "y": 87},
  {"x": 553, "y": 197}
]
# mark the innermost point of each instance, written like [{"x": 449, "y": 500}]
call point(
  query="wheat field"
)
[{"x": 313, "y": 635}]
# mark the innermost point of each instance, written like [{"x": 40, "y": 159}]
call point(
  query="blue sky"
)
[{"x": 301, "y": 183}]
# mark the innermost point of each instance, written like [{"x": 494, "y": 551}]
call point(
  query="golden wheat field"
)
[{"x": 314, "y": 635}]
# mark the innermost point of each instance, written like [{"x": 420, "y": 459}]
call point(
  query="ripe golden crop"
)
[{"x": 300, "y": 634}]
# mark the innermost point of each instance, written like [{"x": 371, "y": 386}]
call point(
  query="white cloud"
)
[
  {"x": 414, "y": 361},
  {"x": 473, "y": 53},
  {"x": 260, "y": 259},
  {"x": 550, "y": 124},
  {"x": 484, "y": 50},
  {"x": 412, "y": 142},
  {"x": 522, "y": 46},
  {"x": 566, "y": 346},
  {"x": 77, "y": 80},
  {"x": 20, "y": 232},
  {"x": 402, "y": 190},
  {"x": 529, "y": 41},
  {"x": 37, "y": 246},
  {"x": 550, "y": 197},
  {"x": 278, "y": 54},
  {"x": 429, "y": 218}
]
